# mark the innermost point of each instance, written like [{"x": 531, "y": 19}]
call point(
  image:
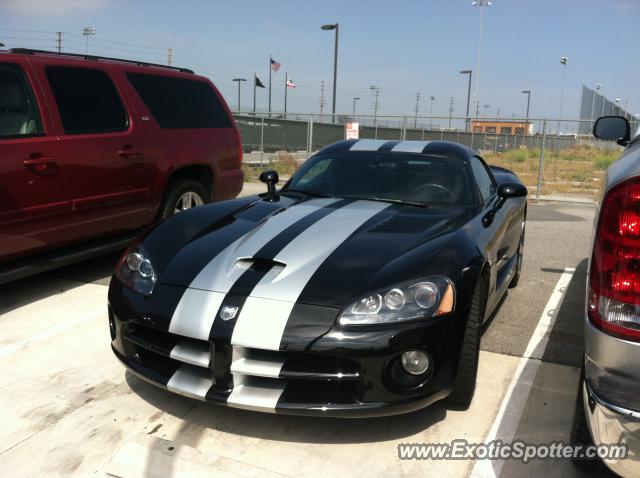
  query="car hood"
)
[{"x": 320, "y": 251}]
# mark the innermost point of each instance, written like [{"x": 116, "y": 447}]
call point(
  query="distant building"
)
[{"x": 502, "y": 127}]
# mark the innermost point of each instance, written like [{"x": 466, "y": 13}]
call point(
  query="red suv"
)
[{"x": 94, "y": 147}]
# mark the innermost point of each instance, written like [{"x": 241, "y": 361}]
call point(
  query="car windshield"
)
[{"x": 410, "y": 178}]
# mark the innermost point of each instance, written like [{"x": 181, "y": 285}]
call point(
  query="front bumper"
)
[
  {"x": 610, "y": 391},
  {"x": 344, "y": 373}
]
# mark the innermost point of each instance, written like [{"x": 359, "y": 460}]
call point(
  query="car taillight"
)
[{"x": 614, "y": 282}]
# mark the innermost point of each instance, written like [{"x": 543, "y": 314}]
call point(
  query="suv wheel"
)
[{"x": 182, "y": 195}]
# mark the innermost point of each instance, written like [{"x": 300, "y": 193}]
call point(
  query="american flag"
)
[
  {"x": 275, "y": 66},
  {"x": 290, "y": 84}
]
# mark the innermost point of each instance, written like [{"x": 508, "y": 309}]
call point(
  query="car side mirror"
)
[
  {"x": 505, "y": 191},
  {"x": 512, "y": 190},
  {"x": 613, "y": 128},
  {"x": 270, "y": 178}
]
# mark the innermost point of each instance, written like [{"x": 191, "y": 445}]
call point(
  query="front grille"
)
[{"x": 212, "y": 371}]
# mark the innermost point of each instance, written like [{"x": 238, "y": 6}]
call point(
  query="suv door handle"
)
[
  {"x": 39, "y": 162},
  {"x": 129, "y": 152}
]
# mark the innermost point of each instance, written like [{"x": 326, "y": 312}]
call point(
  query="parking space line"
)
[
  {"x": 48, "y": 333},
  {"x": 506, "y": 424}
]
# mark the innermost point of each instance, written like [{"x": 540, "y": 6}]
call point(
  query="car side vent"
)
[{"x": 407, "y": 224}]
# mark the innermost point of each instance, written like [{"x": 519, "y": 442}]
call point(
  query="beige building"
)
[{"x": 502, "y": 127}]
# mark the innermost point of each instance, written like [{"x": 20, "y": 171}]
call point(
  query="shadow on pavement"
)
[{"x": 287, "y": 428}]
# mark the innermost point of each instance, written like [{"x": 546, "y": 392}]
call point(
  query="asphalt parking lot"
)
[{"x": 68, "y": 406}]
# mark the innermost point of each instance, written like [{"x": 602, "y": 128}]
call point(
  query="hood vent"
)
[{"x": 407, "y": 224}]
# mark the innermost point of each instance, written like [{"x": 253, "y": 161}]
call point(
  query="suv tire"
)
[{"x": 182, "y": 194}]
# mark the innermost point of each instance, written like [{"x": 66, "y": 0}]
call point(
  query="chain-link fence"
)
[{"x": 552, "y": 157}]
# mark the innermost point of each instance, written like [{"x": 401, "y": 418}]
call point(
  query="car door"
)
[
  {"x": 34, "y": 205},
  {"x": 497, "y": 231},
  {"x": 103, "y": 149}
]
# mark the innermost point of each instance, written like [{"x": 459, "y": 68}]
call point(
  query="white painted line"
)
[
  {"x": 48, "y": 333},
  {"x": 514, "y": 401}
]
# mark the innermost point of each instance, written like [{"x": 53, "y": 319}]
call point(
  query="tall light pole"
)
[
  {"x": 563, "y": 65},
  {"x": 415, "y": 118},
  {"x": 376, "y": 90},
  {"x": 481, "y": 4},
  {"x": 593, "y": 100},
  {"x": 528, "y": 93},
  {"x": 431, "y": 100},
  {"x": 486, "y": 109},
  {"x": 239, "y": 81},
  {"x": 87, "y": 32},
  {"x": 336, "y": 27},
  {"x": 354, "y": 105},
  {"x": 467, "y": 72}
]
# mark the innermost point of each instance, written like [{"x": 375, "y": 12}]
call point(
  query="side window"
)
[
  {"x": 484, "y": 179},
  {"x": 18, "y": 112},
  {"x": 180, "y": 102},
  {"x": 87, "y": 101}
]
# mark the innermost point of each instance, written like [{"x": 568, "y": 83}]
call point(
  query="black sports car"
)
[{"x": 358, "y": 289}]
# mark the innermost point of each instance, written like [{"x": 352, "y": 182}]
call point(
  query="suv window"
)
[
  {"x": 87, "y": 101},
  {"x": 18, "y": 112},
  {"x": 484, "y": 179},
  {"x": 180, "y": 102}
]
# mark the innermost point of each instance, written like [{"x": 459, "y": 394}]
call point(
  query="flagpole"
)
[
  {"x": 255, "y": 81},
  {"x": 270, "y": 85},
  {"x": 286, "y": 79}
]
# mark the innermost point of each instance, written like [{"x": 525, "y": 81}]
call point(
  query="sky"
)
[{"x": 404, "y": 47}]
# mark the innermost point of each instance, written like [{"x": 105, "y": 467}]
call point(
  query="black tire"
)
[
  {"x": 465, "y": 384},
  {"x": 176, "y": 190},
  {"x": 519, "y": 261}
]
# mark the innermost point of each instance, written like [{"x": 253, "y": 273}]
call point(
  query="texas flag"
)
[
  {"x": 290, "y": 84},
  {"x": 275, "y": 66}
]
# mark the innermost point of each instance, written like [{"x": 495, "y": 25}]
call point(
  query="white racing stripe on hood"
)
[
  {"x": 199, "y": 304},
  {"x": 265, "y": 313}
]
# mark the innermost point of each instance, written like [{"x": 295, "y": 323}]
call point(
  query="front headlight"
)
[
  {"x": 136, "y": 271},
  {"x": 426, "y": 298}
]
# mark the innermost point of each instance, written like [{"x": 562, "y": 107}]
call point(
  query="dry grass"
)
[
  {"x": 285, "y": 164},
  {"x": 574, "y": 171}
]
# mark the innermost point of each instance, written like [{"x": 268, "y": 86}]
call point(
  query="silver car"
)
[{"x": 608, "y": 408}]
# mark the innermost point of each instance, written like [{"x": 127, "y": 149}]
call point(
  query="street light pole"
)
[
  {"x": 88, "y": 31},
  {"x": 375, "y": 104},
  {"x": 593, "y": 100},
  {"x": 239, "y": 80},
  {"x": 481, "y": 4},
  {"x": 467, "y": 72},
  {"x": 563, "y": 62},
  {"x": 335, "y": 27},
  {"x": 528, "y": 93},
  {"x": 354, "y": 106}
]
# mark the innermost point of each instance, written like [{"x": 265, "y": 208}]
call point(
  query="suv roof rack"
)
[{"x": 29, "y": 51}]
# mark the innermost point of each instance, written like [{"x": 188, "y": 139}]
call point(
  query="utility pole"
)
[
  {"x": 59, "y": 41},
  {"x": 239, "y": 81},
  {"x": 415, "y": 122},
  {"x": 322, "y": 101},
  {"x": 431, "y": 100},
  {"x": 87, "y": 32},
  {"x": 486, "y": 109},
  {"x": 169, "y": 56},
  {"x": 376, "y": 89},
  {"x": 450, "y": 110}
]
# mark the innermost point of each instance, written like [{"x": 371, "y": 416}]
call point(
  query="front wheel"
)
[
  {"x": 182, "y": 195},
  {"x": 465, "y": 384}
]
